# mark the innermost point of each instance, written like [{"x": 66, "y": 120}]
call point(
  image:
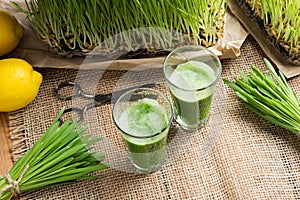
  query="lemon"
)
[
  {"x": 19, "y": 84},
  {"x": 10, "y": 34}
]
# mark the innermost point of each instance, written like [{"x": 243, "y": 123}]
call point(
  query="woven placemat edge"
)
[{"x": 17, "y": 134}]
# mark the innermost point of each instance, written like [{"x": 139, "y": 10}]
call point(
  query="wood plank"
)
[{"x": 5, "y": 155}]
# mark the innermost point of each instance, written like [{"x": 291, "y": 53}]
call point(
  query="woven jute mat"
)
[{"x": 237, "y": 155}]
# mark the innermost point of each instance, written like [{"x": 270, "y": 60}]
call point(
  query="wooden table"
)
[{"x": 5, "y": 156}]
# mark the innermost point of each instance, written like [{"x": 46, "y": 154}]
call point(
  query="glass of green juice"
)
[
  {"x": 191, "y": 73},
  {"x": 144, "y": 116}
]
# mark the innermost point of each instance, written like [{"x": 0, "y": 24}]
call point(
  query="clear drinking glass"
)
[
  {"x": 191, "y": 73},
  {"x": 144, "y": 117}
]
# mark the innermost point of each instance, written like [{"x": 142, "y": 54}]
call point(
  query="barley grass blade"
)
[
  {"x": 269, "y": 96},
  {"x": 60, "y": 156}
]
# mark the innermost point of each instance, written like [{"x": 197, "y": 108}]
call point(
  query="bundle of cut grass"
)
[
  {"x": 280, "y": 22},
  {"x": 147, "y": 26},
  {"x": 269, "y": 96},
  {"x": 60, "y": 156}
]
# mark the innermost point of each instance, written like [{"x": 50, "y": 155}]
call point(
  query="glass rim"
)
[
  {"x": 199, "y": 89},
  {"x": 170, "y": 119}
]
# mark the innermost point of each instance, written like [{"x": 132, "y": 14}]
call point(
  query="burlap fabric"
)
[{"x": 237, "y": 155}]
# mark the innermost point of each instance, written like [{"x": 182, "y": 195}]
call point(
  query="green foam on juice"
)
[
  {"x": 192, "y": 75},
  {"x": 144, "y": 118}
]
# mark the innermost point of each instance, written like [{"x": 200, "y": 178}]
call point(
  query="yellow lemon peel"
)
[
  {"x": 19, "y": 84},
  {"x": 10, "y": 34}
]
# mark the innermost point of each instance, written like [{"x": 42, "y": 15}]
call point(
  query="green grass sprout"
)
[
  {"x": 83, "y": 25},
  {"x": 269, "y": 96},
  {"x": 60, "y": 156},
  {"x": 282, "y": 21}
]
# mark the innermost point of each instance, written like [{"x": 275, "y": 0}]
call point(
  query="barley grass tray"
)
[
  {"x": 138, "y": 44},
  {"x": 238, "y": 155},
  {"x": 78, "y": 27},
  {"x": 280, "y": 24},
  {"x": 275, "y": 26}
]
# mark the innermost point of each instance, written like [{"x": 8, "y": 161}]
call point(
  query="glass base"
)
[
  {"x": 148, "y": 170},
  {"x": 146, "y": 163},
  {"x": 191, "y": 127}
]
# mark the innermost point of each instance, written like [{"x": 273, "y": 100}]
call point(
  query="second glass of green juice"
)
[
  {"x": 144, "y": 117},
  {"x": 191, "y": 73}
]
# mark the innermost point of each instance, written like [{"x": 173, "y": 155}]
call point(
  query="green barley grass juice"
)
[
  {"x": 192, "y": 101},
  {"x": 145, "y": 126}
]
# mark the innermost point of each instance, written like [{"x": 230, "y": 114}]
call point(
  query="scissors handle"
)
[
  {"x": 79, "y": 111},
  {"x": 98, "y": 99},
  {"x": 77, "y": 91},
  {"x": 76, "y": 110}
]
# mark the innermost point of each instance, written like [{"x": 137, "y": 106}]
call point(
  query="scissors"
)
[{"x": 99, "y": 99}]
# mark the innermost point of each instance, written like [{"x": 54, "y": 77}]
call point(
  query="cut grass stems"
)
[
  {"x": 60, "y": 156},
  {"x": 269, "y": 96},
  {"x": 84, "y": 25}
]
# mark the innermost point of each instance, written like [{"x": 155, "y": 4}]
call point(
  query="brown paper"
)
[
  {"x": 289, "y": 70},
  {"x": 35, "y": 52},
  {"x": 229, "y": 46}
]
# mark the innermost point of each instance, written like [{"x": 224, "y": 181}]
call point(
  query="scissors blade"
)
[{"x": 112, "y": 97}]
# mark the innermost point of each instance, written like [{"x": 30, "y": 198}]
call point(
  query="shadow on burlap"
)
[{"x": 237, "y": 155}]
